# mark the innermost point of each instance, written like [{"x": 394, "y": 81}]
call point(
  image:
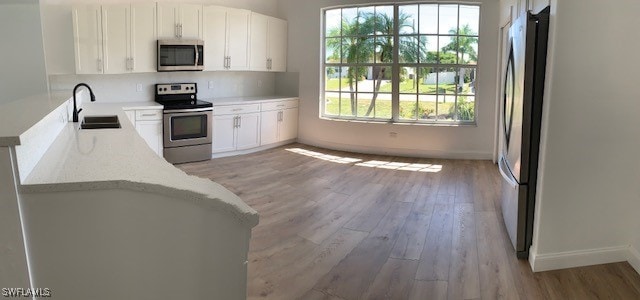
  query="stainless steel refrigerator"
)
[{"x": 521, "y": 109}]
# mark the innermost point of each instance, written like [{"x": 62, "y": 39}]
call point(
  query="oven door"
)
[
  {"x": 187, "y": 127},
  {"x": 180, "y": 55}
]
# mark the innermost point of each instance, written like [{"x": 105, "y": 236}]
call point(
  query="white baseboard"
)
[
  {"x": 571, "y": 259},
  {"x": 419, "y": 153},
  {"x": 252, "y": 150},
  {"x": 634, "y": 258}
]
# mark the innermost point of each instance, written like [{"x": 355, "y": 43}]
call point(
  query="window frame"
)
[{"x": 396, "y": 66}]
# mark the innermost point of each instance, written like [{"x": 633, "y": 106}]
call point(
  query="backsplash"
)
[{"x": 123, "y": 87}]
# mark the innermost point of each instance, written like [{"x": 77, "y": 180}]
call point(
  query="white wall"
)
[
  {"x": 432, "y": 141},
  {"x": 587, "y": 203},
  {"x": 23, "y": 71}
]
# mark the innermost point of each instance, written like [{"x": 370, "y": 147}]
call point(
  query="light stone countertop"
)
[
  {"x": 17, "y": 117},
  {"x": 247, "y": 100},
  {"x": 102, "y": 159}
]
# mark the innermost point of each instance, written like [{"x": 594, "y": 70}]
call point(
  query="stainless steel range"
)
[{"x": 187, "y": 123}]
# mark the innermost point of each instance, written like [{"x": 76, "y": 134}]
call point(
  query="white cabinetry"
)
[
  {"x": 279, "y": 121},
  {"x": 177, "y": 20},
  {"x": 114, "y": 39},
  {"x": 268, "y": 43},
  {"x": 87, "y": 34},
  {"x": 236, "y": 127},
  {"x": 226, "y": 35},
  {"x": 148, "y": 123}
]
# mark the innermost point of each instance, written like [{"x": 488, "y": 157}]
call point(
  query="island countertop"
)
[{"x": 102, "y": 159}]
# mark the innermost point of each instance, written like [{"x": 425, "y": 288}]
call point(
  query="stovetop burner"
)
[
  {"x": 193, "y": 104},
  {"x": 175, "y": 96}
]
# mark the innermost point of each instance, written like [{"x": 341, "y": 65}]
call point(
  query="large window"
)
[{"x": 401, "y": 63}]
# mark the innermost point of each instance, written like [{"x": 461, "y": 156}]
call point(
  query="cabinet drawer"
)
[
  {"x": 148, "y": 115},
  {"x": 279, "y": 105},
  {"x": 236, "y": 109}
]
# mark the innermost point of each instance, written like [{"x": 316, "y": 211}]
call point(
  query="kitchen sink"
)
[{"x": 100, "y": 122}]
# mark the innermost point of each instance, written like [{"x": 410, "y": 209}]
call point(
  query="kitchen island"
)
[{"x": 101, "y": 216}]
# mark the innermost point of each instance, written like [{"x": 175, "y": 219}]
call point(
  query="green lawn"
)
[
  {"x": 407, "y": 86},
  {"x": 426, "y": 110}
]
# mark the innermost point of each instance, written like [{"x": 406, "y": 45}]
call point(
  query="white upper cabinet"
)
[
  {"x": 143, "y": 37},
  {"x": 226, "y": 36},
  {"x": 277, "y": 45},
  {"x": 177, "y": 21},
  {"x": 87, "y": 35},
  {"x": 114, "y": 39},
  {"x": 268, "y": 43}
]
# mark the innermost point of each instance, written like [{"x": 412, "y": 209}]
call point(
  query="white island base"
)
[{"x": 96, "y": 214}]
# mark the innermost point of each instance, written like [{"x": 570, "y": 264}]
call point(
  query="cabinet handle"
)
[
  {"x": 228, "y": 62},
  {"x": 235, "y": 122},
  {"x": 239, "y": 121},
  {"x": 133, "y": 64},
  {"x": 149, "y": 115},
  {"x": 237, "y": 109},
  {"x": 181, "y": 30},
  {"x": 99, "y": 65}
]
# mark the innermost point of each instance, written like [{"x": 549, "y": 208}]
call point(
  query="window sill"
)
[{"x": 390, "y": 122}]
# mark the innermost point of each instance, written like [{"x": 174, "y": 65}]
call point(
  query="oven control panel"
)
[{"x": 176, "y": 89}]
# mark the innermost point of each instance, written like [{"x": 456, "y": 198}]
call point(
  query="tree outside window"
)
[{"x": 435, "y": 66}]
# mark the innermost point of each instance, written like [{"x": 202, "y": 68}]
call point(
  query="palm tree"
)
[
  {"x": 350, "y": 48},
  {"x": 463, "y": 46},
  {"x": 358, "y": 44},
  {"x": 384, "y": 25}
]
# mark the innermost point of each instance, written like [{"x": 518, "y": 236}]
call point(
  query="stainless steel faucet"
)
[{"x": 77, "y": 111}]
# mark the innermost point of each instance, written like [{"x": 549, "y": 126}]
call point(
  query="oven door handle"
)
[{"x": 188, "y": 110}]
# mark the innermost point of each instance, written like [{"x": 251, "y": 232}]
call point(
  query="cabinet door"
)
[
  {"x": 258, "y": 42},
  {"x": 248, "y": 131},
  {"x": 278, "y": 44},
  {"x": 87, "y": 34},
  {"x": 143, "y": 38},
  {"x": 151, "y": 132},
  {"x": 223, "y": 133},
  {"x": 238, "y": 38},
  {"x": 168, "y": 18},
  {"x": 191, "y": 21},
  {"x": 115, "y": 38},
  {"x": 289, "y": 124},
  {"x": 269, "y": 127},
  {"x": 214, "y": 29}
]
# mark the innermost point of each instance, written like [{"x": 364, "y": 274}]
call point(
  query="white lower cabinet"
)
[
  {"x": 236, "y": 127},
  {"x": 253, "y": 126},
  {"x": 151, "y": 132},
  {"x": 148, "y": 123},
  {"x": 279, "y": 122}
]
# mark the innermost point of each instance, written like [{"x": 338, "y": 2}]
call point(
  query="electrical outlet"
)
[
  {"x": 393, "y": 135},
  {"x": 139, "y": 87},
  {"x": 210, "y": 85}
]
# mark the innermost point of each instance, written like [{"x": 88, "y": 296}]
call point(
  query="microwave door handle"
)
[{"x": 197, "y": 55}]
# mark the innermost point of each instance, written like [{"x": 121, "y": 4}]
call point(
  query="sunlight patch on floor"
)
[
  {"x": 390, "y": 165},
  {"x": 322, "y": 156},
  {"x": 427, "y": 168}
]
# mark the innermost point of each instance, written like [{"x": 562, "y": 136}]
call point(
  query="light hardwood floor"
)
[{"x": 337, "y": 225}]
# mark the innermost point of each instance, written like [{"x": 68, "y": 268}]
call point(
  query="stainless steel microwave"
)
[{"x": 180, "y": 55}]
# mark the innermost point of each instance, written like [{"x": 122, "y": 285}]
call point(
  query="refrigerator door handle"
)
[{"x": 502, "y": 166}]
